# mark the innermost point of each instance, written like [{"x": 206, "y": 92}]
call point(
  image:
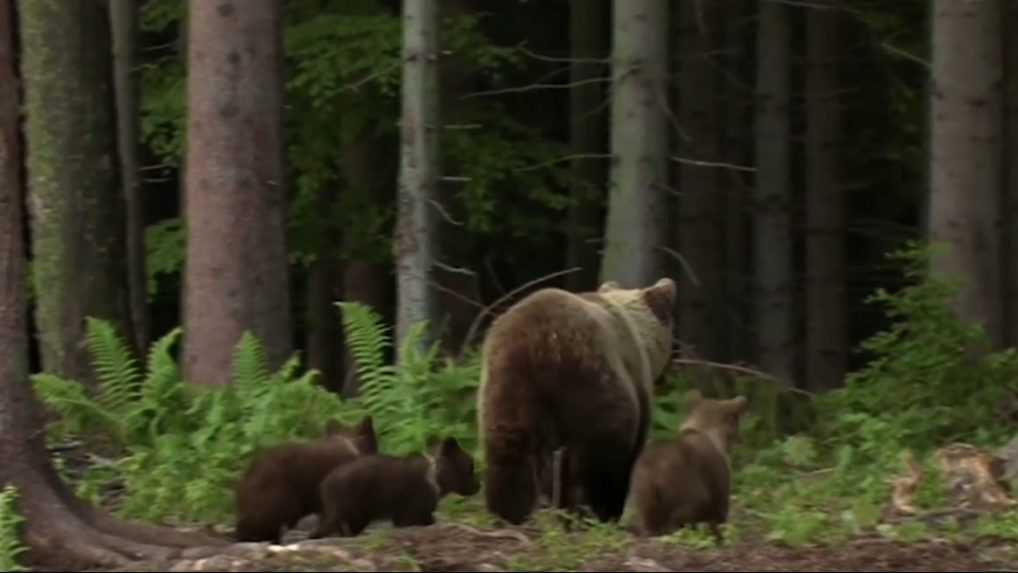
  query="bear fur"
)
[
  {"x": 571, "y": 371},
  {"x": 406, "y": 490},
  {"x": 280, "y": 485},
  {"x": 687, "y": 480}
]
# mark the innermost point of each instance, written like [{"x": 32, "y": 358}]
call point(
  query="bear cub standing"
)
[
  {"x": 280, "y": 485},
  {"x": 405, "y": 490},
  {"x": 687, "y": 480}
]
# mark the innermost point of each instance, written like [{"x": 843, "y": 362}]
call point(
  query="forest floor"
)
[{"x": 461, "y": 543}]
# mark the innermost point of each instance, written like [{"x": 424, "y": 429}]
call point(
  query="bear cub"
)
[
  {"x": 280, "y": 485},
  {"x": 406, "y": 490},
  {"x": 687, "y": 480}
]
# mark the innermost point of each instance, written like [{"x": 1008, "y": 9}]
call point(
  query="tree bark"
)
[
  {"x": 59, "y": 529},
  {"x": 965, "y": 156},
  {"x": 637, "y": 223},
  {"x": 76, "y": 207},
  {"x": 588, "y": 136},
  {"x": 236, "y": 275},
  {"x": 772, "y": 239},
  {"x": 826, "y": 321},
  {"x": 416, "y": 232},
  {"x": 701, "y": 204},
  {"x": 1010, "y": 150},
  {"x": 124, "y": 23}
]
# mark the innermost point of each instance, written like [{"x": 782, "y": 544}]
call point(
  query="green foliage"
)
[
  {"x": 10, "y": 537},
  {"x": 183, "y": 445},
  {"x": 417, "y": 400},
  {"x": 930, "y": 380}
]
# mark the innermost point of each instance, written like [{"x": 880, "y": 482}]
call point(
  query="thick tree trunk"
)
[
  {"x": 637, "y": 224},
  {"x": 588, "y": 135},
  {"x": 965, "y": 156},
  {"x": 701, "y": 204},
  {"x": 59, "y": 529},
  {"x": 236, "y": 275},
  {"x": 1010, "y": 252},
  {"x": 826, "y": 321},
  {"x": 76, "y": 206},
  {"x": 772, "y": 234},
  {"x": 124, "y": 22},
  {"x": 418, "y": 175}
]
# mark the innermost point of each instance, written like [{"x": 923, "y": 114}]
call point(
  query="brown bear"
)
[
  {"x": 687, "y": 480},
  {"x": 571, "y": 371},
  {"x": 405, "y": 490},
  {"x": 280, "y": 485}
]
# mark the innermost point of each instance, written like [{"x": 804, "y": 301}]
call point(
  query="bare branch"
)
[
  {"x": 445, "y": 214},
  {"x": 569, "y": 60},
  {"x": 488, "y": 309},
  {"x": 682, "y": 261},
  {"x": 564, "y": 158},
  {"x": 721, "y": 164},
  {"x": 742, "y": 369},
  {"x": 537, "y": 86}
]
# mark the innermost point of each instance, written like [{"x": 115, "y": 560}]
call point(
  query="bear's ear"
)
[
  {"x": 333, "y": 427},
  {"x": 607, "y": 286},
  {"x": 738, "y": 405},
  {"x": 449, "y": 446},
  {"x": 660, "y": 299},
  {"x": 367, "y": 426}
]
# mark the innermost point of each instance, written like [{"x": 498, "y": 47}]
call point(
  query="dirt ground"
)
[{"x": 457, "y": 547}]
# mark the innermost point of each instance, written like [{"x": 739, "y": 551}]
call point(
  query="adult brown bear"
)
[{"x": 573, "y": 371}]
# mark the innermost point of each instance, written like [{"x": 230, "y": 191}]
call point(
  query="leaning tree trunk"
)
[
  {"x": 701, "y": 204},
  {"x": 965, "y": 156},
  {"x": 772, "y": 235},
  {"x": 826, "y": 321},
  {"x": 418, "y": 173},
  {"x": 76, "y": 206},
  {"x": 59, "y": 529},
  {"x": 588, "y": 129},
  {"x": 236, "y": 276},
  {"x": 637, "y": 226},
  {"x": 124, "y": 21}
]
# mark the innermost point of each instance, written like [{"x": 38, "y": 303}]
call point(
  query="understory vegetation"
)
[{"x": 165, "y": 450}]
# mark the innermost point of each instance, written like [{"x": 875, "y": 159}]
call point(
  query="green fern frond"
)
[
  {"x": 116, "y": 368},
  {"x": 77, "y": 411},
  {"x": 289, "y": 369},
  {"x": 249, "y": 368}
]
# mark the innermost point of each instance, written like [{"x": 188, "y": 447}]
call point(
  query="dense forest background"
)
[
  {"x": 525, "y": 166},
  {"x": 229, "y": 221}
]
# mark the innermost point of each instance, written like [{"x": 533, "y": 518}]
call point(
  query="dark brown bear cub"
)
[
  {"x": 280, "y": 485},
  {"x": 405, "y": 490},
  {"x": 687, "y": 480}
]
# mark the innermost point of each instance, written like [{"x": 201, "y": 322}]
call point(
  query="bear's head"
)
[
  {"x": 454, "y": 468},
  {"x": 361, "y": 439},
  {"x": 649, "y": 311},
  {"x": 719, "y": 419}
]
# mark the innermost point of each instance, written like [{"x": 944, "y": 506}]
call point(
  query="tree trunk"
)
[
  {"x": 236, "y": 275},
  {"x": 826, "y": 324},
  {"x": 965, "y": 156},
  {"x": 124, "y": 23},
  {"x": 76, "y": 206},
  {"x": 1010, "y": 253},
  {"x": 701, "y": 204},
  {"x": 772, "y": 238},
  {"x": 736, "y": 146},
  {"x": 324, "y": 328},
  {"x": 588, "y": 136},
  {"x": 59, "y": 529},
  {"x": 418, "y": 174},
  {"x": 637, "y": 223}
]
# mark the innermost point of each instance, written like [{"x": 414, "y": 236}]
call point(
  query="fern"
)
[
  {"x": 248, "y": 367},
  {"x": 10, "y": 521},
  {"x": 116, "y": 369}
]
